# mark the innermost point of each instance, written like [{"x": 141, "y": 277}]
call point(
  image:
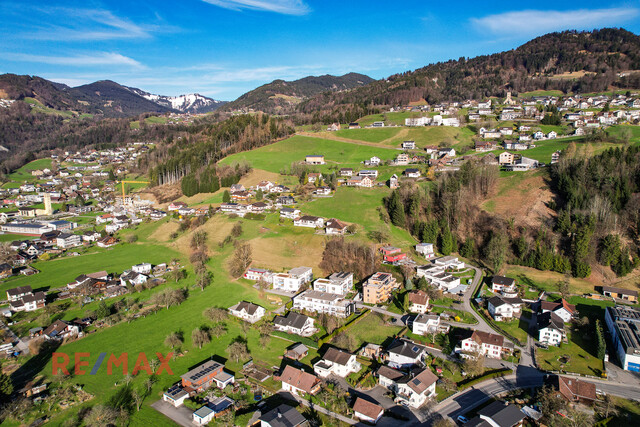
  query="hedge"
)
[{"x": 487, "y": 376}]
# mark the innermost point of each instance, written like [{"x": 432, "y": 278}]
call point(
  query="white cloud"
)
[
  {"x": 530, "y": 22},
  {"x": 287, "y": 7},
  {"x": 68, "y": 24},
  {"x": 86, "y": 60}
]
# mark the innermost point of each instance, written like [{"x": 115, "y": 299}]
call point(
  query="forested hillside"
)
[{"x": 596, "y": 58}]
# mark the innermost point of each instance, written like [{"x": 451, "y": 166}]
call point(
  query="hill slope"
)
[
  {"x": 603, "y": 54},
  {"x": 282, "y": 96}
]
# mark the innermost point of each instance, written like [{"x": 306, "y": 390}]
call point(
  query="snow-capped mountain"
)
[{"x": 191, "y": 103}]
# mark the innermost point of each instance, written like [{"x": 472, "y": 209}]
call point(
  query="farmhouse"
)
[
  {"x": 314, "y": 159},
  {"x": 247, "y": 311},
  {"x": 299, "y": 382},
  {"x": 359, "y": 181},
  {"x": 336, "y": 362}
]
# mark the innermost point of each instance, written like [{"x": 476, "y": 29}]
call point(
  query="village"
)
[{"x": 398, "y": 345}]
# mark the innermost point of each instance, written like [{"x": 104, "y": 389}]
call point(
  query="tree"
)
[
  {"x": 216, "y": 315},
  {"x": 549, "y": 401},
  {"x": 238, "y": 350},
  {"x": 200, "y": 337},
  {"x": 138, "y": 397},
  {"x": 236, "y": 231},
  {"x": 101, "y": 415},
  {"x": 446, "y": 241},
  {"x": 564, "y": 286},
  {"x": 396, "y": 210},
  {"x": 241, "y": 260},
  {"x": 6, "y": 386},
  {"x": 259, "y": 195},
  {"x": 103, "y": 310},
  {"x": 474, "y": 365},
  {"x": 226, "y": 197},
  {"x": 496, "y": 251},
  {"x": 606, "y": 407},
  {"x": 602, "y": 345},
  {"x": 174, "y": 339},
  {"x": 204, "y": 279},
  {"x": 198, "y": 239},
  {"x": 218, "y": 330}
]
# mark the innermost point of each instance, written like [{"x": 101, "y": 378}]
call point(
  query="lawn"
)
[
  {"x": 517, "y": 328},
  {"x": 546, "y": 280},
  {"x": 280, "y": 155},
  {"x": 578, "y": 356},
  {"x": 396, "y": 118},
  {"x": 24, "y": 173},
  {"x": 540, "y": 93},
  {"x": 372, "y": 329},
  {"x": 60, "y": 271},
  {"x": 369, "y": 135}
]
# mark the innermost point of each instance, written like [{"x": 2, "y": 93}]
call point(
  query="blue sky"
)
[{"x": 223, "y": 48}]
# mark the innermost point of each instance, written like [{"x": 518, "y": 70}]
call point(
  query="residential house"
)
[
  {"x": 418, "y": 301},
  {"x": 143, "y": 268},
  {"x": 295, "y": 323},
  {"x": 367, "y": 411},
  {"x": 60, "y": 329},
  {"x": 403, "y": 353},
  {"x": 393, "y": 181},
  {"x": 360, "y": 181},
  {"x": 550, "y": 328},
  {"x": 175, "y": 395},
  {"x": 378, "y": 288},
  {"x": 502, "y": 309},
  {"x": 335, "y": 227},
  {"x": 297, "y": 352},
  {"x": 412, "y": 173},
  {"x": 247, "y": 311},
  {"x": 409, "y": 145},
  {"x": 309, "y": 221},
  {"x": 212, "y": 409},
  {"x": 426, "y": 249},
  {"x": 498, "y": 414},
  {"x": 562, "y": 309},
  {"x": 289, "y": 213},
  {"x": 336, "y": 362},
  {"x": 501, "y": 283},
  {"x": 299, "y": 382},
  {"x": 485, "y": 344},
  {"x": 575, "y": 390},
  {"x": 30, "y": 302},
  {"x": 265, "y": 186},
  {"x": 346, "y": 172},
  {"x": 339, "y": 283},
  {"x": 205, "y": 376},
  {"x": 402, "y": 159},
  {"x": 283, "y": 416},
  {"x": 293, "y": 279},
  {"x": 371, "y": 173},
  {"x": 425, "y": 324},
  {"x": 323, "y": 302},
  {"x": 392, "y": 254},
  {"x": 505, "y": 158},
  {"x": 314, "y": 176},
  {"x": 257, "y": 274},
  {"x": 412, "y": 389},
  {"x": 18, "y": 293}
]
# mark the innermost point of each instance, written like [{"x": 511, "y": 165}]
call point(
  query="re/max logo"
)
[{"x": 61, "y": 361}]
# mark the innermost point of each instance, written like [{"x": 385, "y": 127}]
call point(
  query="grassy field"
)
[
  {"x": 38, "y": 107},
  {"x": 275, "y": 157},
  {"x": 540, "y": 93},
  {"x": 517, "y": 328},
  {"x": 396, "y": 118},
  {"x": 372, "y": 329},
  {"x": 369, "y": 135},
  {"x": 60, "y": 271},
  {"x": 577, "y": 356},
  {"x": 24, "y": 173},
  {"x": 545, "y": 280}
]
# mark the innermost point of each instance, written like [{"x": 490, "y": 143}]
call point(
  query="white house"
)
[
  {"x": 484, "y": 344},
  {"x": 425, "y": 249},
  {"x": 501, "y": 283},
  {"x": 550, "y": 329},
  {"x": 323, "y": 302},
  {"x": 175, "y": 395},
  {"x": 295, "y": 323},
  {"x": 404, "y": 354},
  {"x": 257, "y": 274},
  {"x": 336, "y": 362},
  {"x": 412, "y": 389},
  {"x": 289, "y": 213},
  {"x": 338, "y": 283},
  {"x": 143, "y": 268},
  {"x": 68, "y": 240},
  {"x": 418, "y": 301},
  {"x": 504, "y": 308},
  {"x": 247, "y": 311},
  {"x": 562, "y": 309},
  {"x": 292, "y": 280},
  {"x": 309, "y": 221},
  {"x": 208, "y": 412},
  {"x": 425, "y": 324}
]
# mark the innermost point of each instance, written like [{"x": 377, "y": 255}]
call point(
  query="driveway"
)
[{"x": 180, "y": 415}]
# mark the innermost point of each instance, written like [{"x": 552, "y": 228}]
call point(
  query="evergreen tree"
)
[
  {"x": 446, "y": 241},
  {"x": 396, "y": 210},
  {"x": 226, "y": 196},
  {"x": 6, "y": 387},
  {"x": 602, "y": 346},
  {"x": 259, "y": 195}
]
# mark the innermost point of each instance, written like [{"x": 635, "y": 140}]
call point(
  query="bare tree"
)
[
  {"x": 173, "y": 340},
  {"x": 200, "y": 337},
  {"x": 216, "y": 315},
  {"x": 238, "y": 351},
  {"x": 241, "y": 259}
]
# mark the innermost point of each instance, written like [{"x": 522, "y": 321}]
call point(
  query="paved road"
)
[{"x": 482, "y": 325}]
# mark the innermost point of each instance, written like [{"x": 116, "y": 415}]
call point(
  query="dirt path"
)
[{"x": 350, "y": 141}]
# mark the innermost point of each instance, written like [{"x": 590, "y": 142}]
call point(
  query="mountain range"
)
[{"x": 104, "y": 97}]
